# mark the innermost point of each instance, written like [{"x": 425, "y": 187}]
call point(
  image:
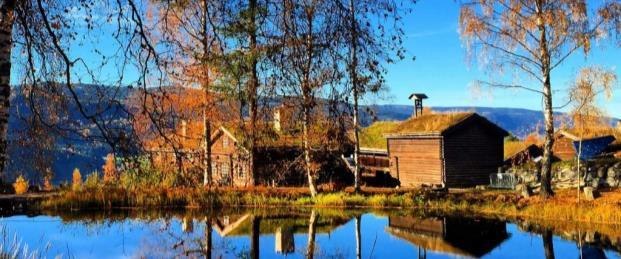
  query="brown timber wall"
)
[
  {"x": 370, "y": 160},
  {"x": 471, "y": 154},
  {"x": 416, "y": 161}
]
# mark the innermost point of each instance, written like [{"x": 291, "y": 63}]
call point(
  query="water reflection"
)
[
  {"x": 240, "y": 233},
  {"x": 452, "y": 235}
]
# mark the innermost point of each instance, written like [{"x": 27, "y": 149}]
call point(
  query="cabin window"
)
[
  {"x": 214, "y": 168},
  {"x": 225, "y": 170},
  {"x": 240, "y": 171},
  {"x": 225, "y": 142}
]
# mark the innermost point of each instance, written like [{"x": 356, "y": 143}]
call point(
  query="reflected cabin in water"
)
[
  {"x": 284, "y": 225},
  {"x": 456, "y": 236}
]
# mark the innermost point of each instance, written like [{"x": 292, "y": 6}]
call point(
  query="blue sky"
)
[{"x": 443, "y": 73}]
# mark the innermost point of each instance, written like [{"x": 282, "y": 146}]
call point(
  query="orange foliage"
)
[
  {"x": 533, "y": 139},
  {"x": 21, "y": 185},
  {"x": 47, "y": 183},
  {"x": 76, "y": 181},
  {"x": 109, "y": 169}
]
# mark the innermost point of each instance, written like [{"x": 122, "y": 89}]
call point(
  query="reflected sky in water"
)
[{"x": 271, "y": 234}]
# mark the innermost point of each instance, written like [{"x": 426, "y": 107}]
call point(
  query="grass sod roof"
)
[
  {"x": 374, "y": 136},
  {"x": 268, "y": 137},
  {"x": 435, "y": 123}
]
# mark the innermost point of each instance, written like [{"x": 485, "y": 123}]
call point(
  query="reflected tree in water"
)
[
  {"x": 254, "y": 243},
  {"x": 208, "y": 238},
  {"x": 358, "y": 237},
  {"x": 548, "y": 244},
  {"x": 310, "y": 248}
]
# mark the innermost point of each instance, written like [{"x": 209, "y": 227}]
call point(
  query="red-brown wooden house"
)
[{"x": 448, "y": 150}]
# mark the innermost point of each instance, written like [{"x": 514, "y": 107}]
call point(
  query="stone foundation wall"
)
[{"x": 596, "y": 174}]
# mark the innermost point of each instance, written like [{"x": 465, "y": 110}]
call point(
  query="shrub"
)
[
  {"x": 76, "y": 183},
  {"x": 143, "y": 174},
  {"x": 47, "y": 183},
  {"x": 21, "y": 185},
  {"x": 109, "y": 169},
  {"x": 92, "y": 180}
]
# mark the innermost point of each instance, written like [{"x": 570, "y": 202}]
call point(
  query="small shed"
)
[
  {"x": 568, "y": 143},
  {"x": 445, "y": 149}
]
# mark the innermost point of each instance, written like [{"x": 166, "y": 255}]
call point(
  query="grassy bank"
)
[{"x": 563, "y": 207}]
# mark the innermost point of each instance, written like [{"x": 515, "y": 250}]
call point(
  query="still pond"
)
[{"x": 277, "y": 233}]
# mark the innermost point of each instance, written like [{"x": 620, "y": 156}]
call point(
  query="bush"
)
[
  {"x": 76, "y": 183},
  {"x": 92, "y": 180},
  {"x": 143, "y": 174},
  {"x": 109, "y": 169},
  {"x": 47, "y": 183},
  {"x": 21, "y": 185}
]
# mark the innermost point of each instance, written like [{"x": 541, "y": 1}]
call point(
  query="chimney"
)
[
  {"x": 417, "y": 98},
  {"x": 277, "y": 126}
]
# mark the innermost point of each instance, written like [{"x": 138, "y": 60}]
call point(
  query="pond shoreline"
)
[{"x": 491, "y": 203}]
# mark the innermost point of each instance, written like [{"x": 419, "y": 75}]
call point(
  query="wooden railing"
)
[{"x": 503, "y": 181}]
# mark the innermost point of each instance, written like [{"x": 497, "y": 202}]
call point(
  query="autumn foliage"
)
[
  {"x": 76, "y": 183},
  {"x": 47, "y": 183},
  {"x": 21, "y": 185},
  {"x": 109, "y": 169}
]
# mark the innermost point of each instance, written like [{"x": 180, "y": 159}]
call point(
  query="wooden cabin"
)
[
  {"x": 449, "y": 150},
  {"x": 274, "y": 163},
  {"x": 277, "y": 159},
  {"x": 278, "y": 153},
  {"x": 566, "y": 144},
  {"x": 530, "y": 153}
]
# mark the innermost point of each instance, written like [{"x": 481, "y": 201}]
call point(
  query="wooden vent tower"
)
[{"x": 417, "y": 98}]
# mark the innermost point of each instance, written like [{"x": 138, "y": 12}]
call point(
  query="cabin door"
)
[{"x": 395, "y": 168}]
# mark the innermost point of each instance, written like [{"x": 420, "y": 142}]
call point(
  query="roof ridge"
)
[{"x": 470, "y": 115}]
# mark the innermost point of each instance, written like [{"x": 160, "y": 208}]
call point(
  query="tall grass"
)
[
  {"x": 12, "y": 247},
  {"x": 495, "y": 203}
]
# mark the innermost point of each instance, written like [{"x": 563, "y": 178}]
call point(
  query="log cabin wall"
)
[
  {"x": 416, "y": 161},
  {"x": 374, "y": 160},
  {"x": 471, "y": 154}
]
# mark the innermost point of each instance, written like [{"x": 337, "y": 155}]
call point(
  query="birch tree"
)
[
  {"x": 372, "y": 35},
  {"x": 591, "y": 84},
  {"x": 42, "y": 31},
  {"x": 534, "y": 37},
  {"x": 192, "y": 46},
  {"x": 246, "y": 29},
  {"x": 305, "y": 63},
  {"x": 7, "y": 16}
]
